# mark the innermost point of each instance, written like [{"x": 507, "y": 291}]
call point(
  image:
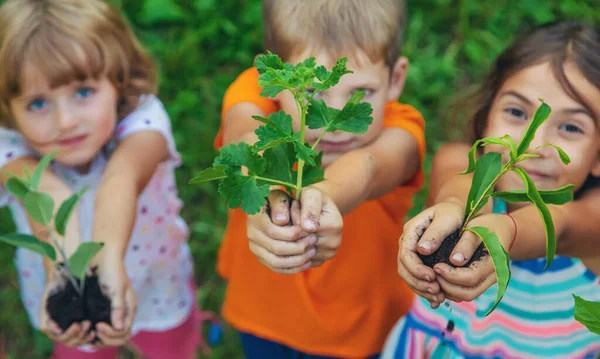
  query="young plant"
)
[
  {"x": 281, "y": 156},
  {"x": 588, "y": 314},
  {"x": 487, "y": 170},
  {"x": 40, "y": 207}
]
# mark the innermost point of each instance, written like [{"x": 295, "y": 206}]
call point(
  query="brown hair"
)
[
  {"x": 373, "y": 26},
  {"x": 71, "y": 40},
  {"x": 555, "y": 42}
]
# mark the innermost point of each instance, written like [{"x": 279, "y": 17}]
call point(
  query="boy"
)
[{"x": 346, "y": 306}]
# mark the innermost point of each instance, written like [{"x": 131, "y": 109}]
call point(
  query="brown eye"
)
[{"x": 515, "y": 112}]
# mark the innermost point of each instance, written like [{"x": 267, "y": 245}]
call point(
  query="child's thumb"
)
[{"x": 117, "y": 311}]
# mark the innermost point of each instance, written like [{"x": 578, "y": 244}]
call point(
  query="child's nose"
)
[
  {"x": 541, "y": 138},
  {"x": 66, "y": 118}
]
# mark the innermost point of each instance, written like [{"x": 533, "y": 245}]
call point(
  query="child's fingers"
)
[
  {"x": 460, "y": 293},
  {"x": 281, "y": 248},
  {"x": 414, "y": 265},
  {"x": 80, "y": 339},
  {"x": 283, "y": 264},
  {"x": 429, "y": 290},
  {"x": 273, "y": 231},
  {"x": 290, "y": 270},
  {"x": 471, "y": 276},
  {"x": 111, "y": 337},
  {"x": 131, "y": 302},
  {"x": 324, "y": 255},
  {"x": 311, "y": 202},
  {"x": 70, "y": 335},
  {"x": 279, "y": 203},
  {"x": 295, "y": 213},
  {"x": 433, "y": 234},
  {"x": 465, "y": 248}
]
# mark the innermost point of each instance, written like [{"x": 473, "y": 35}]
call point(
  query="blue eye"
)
[
  {"x": 84, "y": 92},
  {"x": 515, "y": 112},
  {"x": 368, "y": 92},
  {"x": 37, "y": 104},
  {"x": 571, "y": 128},
  {"x": 316, "y": 95}
]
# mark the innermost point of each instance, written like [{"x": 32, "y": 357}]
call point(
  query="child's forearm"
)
[
  {"x": 239, "y": 125},
  {"x": 372, "y": 171},
  {"x": 126, "y": 176}
]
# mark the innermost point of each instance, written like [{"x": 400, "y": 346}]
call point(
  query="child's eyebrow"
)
[
  {"x": 578, "y": 110},
  {"x": 517, "y": 95}
]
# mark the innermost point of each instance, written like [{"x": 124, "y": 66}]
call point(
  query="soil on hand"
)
[
  {"x": 442, "y": 255},
  {"x": 66, "y": 306}
]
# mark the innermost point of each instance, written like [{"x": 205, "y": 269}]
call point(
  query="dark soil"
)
[
  {"x": 66, "y": 306},
  {"x": 442, "y": 255}
]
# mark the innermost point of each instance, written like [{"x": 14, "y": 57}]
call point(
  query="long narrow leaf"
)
[
  {"x": 484, "y": 142},
  {"x": 588, "y": 314},
  {"x": 29, "y": 242},
  {"x": 512, "y": 146},
  {"x": 39, "y": 169},
  {"x": 65, "y": 210},
  {"x": 558, "y": 196},
  {"x": 561, "y": 153},
  {"x": 210, "y": 174},
  {"x": 536, "y": 199},
  {"x": 488, "y": 167},
  {"x": 499, "y": 258},
  {"x": 40, "y": 206},
  {"x": 78, "y": 262},
  {"x": 539, "y": 117}
]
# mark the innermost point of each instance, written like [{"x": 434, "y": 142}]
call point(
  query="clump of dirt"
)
[
  {"x": 442, "y": 255},
  {"x": 66, "y": 306}
]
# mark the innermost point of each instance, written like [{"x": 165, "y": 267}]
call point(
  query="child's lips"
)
[
  {"x": 537, "y": 176},
  {"x": 335, "y": 145},
  {"x": 73, "y": 141}
]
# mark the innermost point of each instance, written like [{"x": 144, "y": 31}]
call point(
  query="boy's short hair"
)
[
  {"x": 71, "y": 40},
  {"x": 341, "y": 26}
]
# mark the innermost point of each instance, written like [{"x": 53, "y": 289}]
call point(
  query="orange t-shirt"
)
[{"x": 346, "y": 307}]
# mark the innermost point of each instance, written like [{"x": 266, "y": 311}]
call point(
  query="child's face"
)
[
  {"x": 376, "y": 80},
  {"x": 570, "y": 126},
  {"x": 76, "y": 119}
]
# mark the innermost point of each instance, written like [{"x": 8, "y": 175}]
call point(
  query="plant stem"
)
[
  {"x": 319, "y": 139},
  {"x": 276, "y": 182},
  {"x": 302, "y": 112},
  {"x": 491, "y": 185},
  {"x": 66, "y": 262}
]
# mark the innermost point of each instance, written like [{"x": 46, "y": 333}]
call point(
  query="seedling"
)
[
  {"x": 286, "y": 159},
  {"x": 487, "y": 170},
  {"x": 40, "y": 207}
]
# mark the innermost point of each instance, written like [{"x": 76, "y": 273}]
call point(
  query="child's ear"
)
[{"x": 397, "y": 79}]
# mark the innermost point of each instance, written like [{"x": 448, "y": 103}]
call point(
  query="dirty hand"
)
[
  {"x": 467, "y": 283},
  {"x": 424, "y": 234},
  {"x": 77, "y": 334},
  {"x": 281, "y": 247},
  {"x": 115, "y": 284}
]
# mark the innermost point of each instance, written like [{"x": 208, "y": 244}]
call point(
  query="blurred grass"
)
[{"x": 201, "y": 46}]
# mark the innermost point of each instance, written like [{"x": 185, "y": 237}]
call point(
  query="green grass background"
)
[{"x": 202, "y": 45}]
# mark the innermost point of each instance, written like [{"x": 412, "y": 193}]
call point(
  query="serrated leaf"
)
[
  {"x": 210, "y": 174},
  {"x": 310, "y": 63},
  {"x": 39, "y": 170},
  {"x": 17, "y": 188},
  {"x": 536, "y": 199},
  {"x": 39, "y": 206},
  {"x": 487, "y": 168},
  {"x": 269, "y": 60},
  {"x": 558, "y": 196},
  {"x": 562, "y": 154},
  {"x": 65, "y": 210},
  {"x": 541, "y": 115},
  {"x": 31, "y": 243},
  {"x": 277, "y": 129},
  {"x": 499, "y": 258},
  {"x": 319, "y": 114},
  {"x": 587, "y": 313},
  {"x": 240, "y": 154},
  {"x": 280, "y": 162},
  {"x": 271, "y": 91},
  {"x": 304, "y": 153},
  {"x": 328, "y": 79},
  {"x": 244, "y": 191},
  {"x": 78, "y": 262}
]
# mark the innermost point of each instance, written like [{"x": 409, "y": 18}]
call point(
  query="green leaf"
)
[
  {"x": 472, "y": 158},
  {"x": 243, "y": 191},
  {"x": 271, "y": 91},
  {"x": 488, "y": 167},
  {"x": 511, "y": 146},
  {"x": 280, "y": 161},
  {"x": 499, "y": 258},
  {"x": 40, "y": 206},
  {"x": 29, "y": 242},
  {"x": 39, "y": 170},
  {"x": 305, "y": 153},
  {"x": 78, "y": 262},
  {"x": 240, "y": 154},
  {"x": 319, "y": 114},
  {"x": 562, "y": 154},
  {"x": 484, "y": 142},
  {"x": 277, "y": 129},
  {"x": 539, "y": 117},
  {"x": 558, "y": 196},
  {"x": 17, "y": 188},
  {"x": 210, "y": 174},
  {"x": 355, "y": 117},
  {"x": 588, "y": 314},
  {"x": 65, "y": 210},
  {"x": 536, "y": 199},
  {"x": 312, "y": 174},
  {"x": 526, "y": 156},
  {"x": 265, "y": 62},
  {"x": 329, "y": 79}
]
